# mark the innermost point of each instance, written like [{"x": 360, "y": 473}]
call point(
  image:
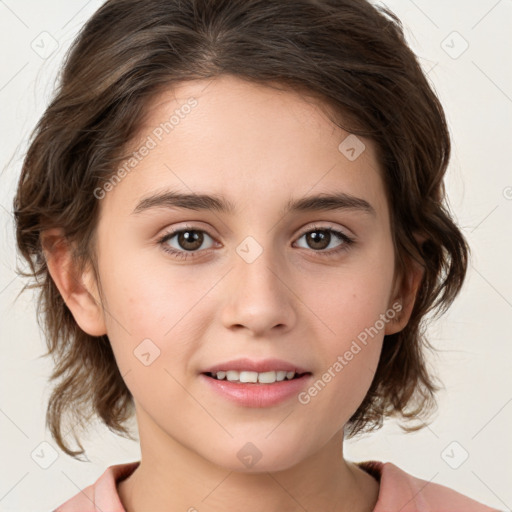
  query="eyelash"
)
[{"x": 347, "y": 242}]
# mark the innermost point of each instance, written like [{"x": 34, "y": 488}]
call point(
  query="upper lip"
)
[{"x": 264, "y": 365}]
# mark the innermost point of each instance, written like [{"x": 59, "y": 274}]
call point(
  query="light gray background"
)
[{"x": 475, "y": 410}]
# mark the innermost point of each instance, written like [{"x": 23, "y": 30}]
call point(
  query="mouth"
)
[
  {"x": 248, "y": 382},
  {"x": 251, "y": 389},
  {"x": 251, "y": 377}
]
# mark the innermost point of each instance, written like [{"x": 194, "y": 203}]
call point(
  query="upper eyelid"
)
[{"x": 174, "y": 231}]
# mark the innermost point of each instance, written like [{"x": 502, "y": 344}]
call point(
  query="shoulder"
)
[
  {"x": 402, "y": 491},
  {"x": 102, "y": 494}
]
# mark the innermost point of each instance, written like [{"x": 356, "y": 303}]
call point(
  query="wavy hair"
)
[{"x": 349, "y": 54}]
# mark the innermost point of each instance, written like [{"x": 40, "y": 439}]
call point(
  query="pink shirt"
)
[{"x": 399, "y": 491}]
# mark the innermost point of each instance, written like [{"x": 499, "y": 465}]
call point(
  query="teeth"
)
[
  {"x": 247, "y": 376},
  {"x": 281, "y": 375},
  {"x": 266, "y": 377}
]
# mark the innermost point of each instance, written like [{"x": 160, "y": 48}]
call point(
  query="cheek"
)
[
  {"x": 350, "y": 352},
  {"x": 149, "y": 297},
  {"x": 155, "y": 311},
  {"x": 354, "y": 311},
  {"x": 352, "y": 301}
]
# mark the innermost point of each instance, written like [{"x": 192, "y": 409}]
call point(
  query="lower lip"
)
[{"x": 255, "y": 394}]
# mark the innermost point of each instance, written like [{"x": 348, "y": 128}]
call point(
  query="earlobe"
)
[
  {"x": 405, "y": 298},
  {"x": 79, "y": 291}
]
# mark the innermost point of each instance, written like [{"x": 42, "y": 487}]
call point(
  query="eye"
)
[
  {"x": 320, "y": 238},
  {"x": 187, "y": 241}
]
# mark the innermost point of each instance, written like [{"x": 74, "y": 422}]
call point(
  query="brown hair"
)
[{"x": 347, "y": 53}]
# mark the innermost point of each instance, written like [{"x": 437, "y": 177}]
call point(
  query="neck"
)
[{"x": 177, "y": 478}]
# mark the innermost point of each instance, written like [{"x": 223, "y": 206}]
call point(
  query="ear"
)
[
  {"x": 80, "y": 292},
  {"x": 405, "y": 291}
]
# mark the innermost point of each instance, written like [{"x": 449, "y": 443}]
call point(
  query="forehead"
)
[{"x": 252, "y": 143}]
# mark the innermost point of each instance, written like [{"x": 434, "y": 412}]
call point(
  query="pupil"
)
[
  {"x": 317, "y": 239},
  {"x": 196, "y": 239}
]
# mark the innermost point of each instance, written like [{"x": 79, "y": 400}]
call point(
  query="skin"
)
[{"x": 259, "y": 148}]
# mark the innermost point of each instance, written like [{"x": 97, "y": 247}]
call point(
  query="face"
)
[{"x": 188, "y": 290}]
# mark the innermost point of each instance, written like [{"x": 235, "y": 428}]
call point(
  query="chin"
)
[{"x": 260, "y": 457}]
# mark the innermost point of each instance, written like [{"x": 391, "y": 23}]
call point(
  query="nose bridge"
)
[
  {"x": 257, "y": 266},
  {"x": 258, "y": 297}
]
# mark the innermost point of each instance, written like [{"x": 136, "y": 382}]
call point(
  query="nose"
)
[{"x": 259, "y": 296}]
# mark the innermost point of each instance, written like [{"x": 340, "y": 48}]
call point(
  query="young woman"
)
[{"x": 235, "y": 213}]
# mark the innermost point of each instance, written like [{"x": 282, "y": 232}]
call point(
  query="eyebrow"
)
[{"x": 219, "y": 203}]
